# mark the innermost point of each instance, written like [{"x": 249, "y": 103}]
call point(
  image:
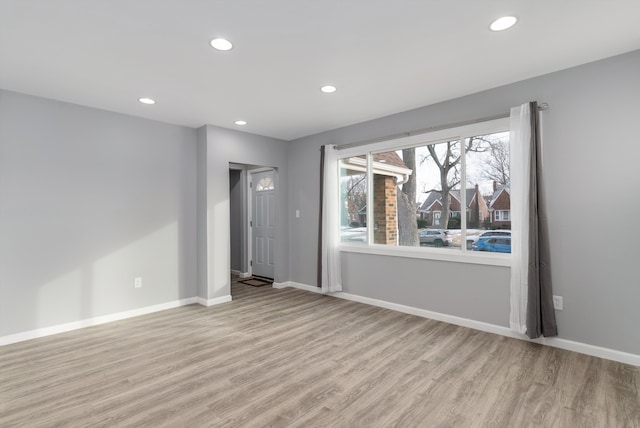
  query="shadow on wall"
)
[
  {"x": 97, "y": 285},
  {"x": 91, "y": 200}
]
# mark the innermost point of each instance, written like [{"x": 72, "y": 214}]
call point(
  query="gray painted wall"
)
[
  {"x": 201, "y": 207},
  {"x": 89, "y": 200},
  {"x": 590, "y": 147},
  {"x": 235, "y": 220}
]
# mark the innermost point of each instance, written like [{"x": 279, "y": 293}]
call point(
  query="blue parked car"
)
[{"x": 495, "y": 244}]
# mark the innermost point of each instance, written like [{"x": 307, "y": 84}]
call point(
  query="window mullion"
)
[
  {"x": 370, "y": 219},
  {"x": 463, "y": 195}
]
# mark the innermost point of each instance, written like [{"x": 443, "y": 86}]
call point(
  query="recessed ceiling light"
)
[
  {"x": 221, "y": 44},
  {"x": 503, "y": 23},
  {"x": 328, "y": 89},
  {"x": 145, "y": 100},
  {"x": 240, "y": 122}
]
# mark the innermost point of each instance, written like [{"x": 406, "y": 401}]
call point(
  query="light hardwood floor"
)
[{"x": 292, "y": 358}]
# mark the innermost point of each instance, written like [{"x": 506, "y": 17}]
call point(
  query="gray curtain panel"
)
[
  {"x": 541, "y": 318},
  {"x": 322, "y": 150}
]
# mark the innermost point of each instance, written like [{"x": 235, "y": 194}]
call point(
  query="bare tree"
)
[
  {"x": 497, "y": 165},
  {"x": 406, "y": 203},
  {"x": 356, "y": 193},
  {"x": 448, "y": 163}
]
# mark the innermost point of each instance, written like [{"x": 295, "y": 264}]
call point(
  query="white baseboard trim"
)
[
  {"x": 75, "y": 325},
  {"x": 297, "y": 285},
  {"x": 569, "y": 345},
  {"x": 211, "y": 302},
  {"x": 240, "y": 274}
]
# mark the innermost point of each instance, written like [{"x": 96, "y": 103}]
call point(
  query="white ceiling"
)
[{"x": 384, "y": 56}]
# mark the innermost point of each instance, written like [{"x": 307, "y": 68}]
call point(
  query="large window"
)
[{"x": 428, "y": 191}]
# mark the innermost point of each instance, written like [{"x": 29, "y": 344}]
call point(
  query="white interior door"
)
[{"x": 263, "y": 223}]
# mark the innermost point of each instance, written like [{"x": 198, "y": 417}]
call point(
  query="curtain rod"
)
[{"x": 542, "y": 106}]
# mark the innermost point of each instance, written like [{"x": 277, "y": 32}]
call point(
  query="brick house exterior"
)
[
  {"x": 477, "y": 209},
  {"x": 430, "y": 210},
  {"x": 385, "y": 210},
  {"x": 389, "y": 171},
  {"x": 500, "y": 206}
]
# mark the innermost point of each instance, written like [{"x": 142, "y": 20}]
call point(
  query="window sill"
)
[{"x": 447, "y": 255}]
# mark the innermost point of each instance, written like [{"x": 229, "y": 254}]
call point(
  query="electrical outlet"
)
[
  {"x": 137, "y": 282},
  {"x": 557, "y": 303}
]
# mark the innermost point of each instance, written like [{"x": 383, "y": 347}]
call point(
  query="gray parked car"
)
[{"x": 437, "y": 237}]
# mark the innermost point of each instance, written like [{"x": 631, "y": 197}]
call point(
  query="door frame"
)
[
  {"x": 244, "y": 258},
  {"x": 250, "y": 173}
]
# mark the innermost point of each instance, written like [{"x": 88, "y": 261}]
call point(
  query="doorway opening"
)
[{"x": 253, "y": 195}]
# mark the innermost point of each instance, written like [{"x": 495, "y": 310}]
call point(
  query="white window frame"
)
[
  {"x": 502, "y": 215},
  {"x": 458, "y": 133}
]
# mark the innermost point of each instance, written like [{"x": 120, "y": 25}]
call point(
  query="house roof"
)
[
  {"x": 501, "y": 188},
  {"x": 389, "y": 164},
  {"x": 436, "y": 196},
  {"x": 107, "y": 54},
  {"x": 390, "y": 158},
  {"x": 431, "y": 199}
]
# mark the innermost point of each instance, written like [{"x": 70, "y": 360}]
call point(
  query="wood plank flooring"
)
[{"x": 290, "y": 358}]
